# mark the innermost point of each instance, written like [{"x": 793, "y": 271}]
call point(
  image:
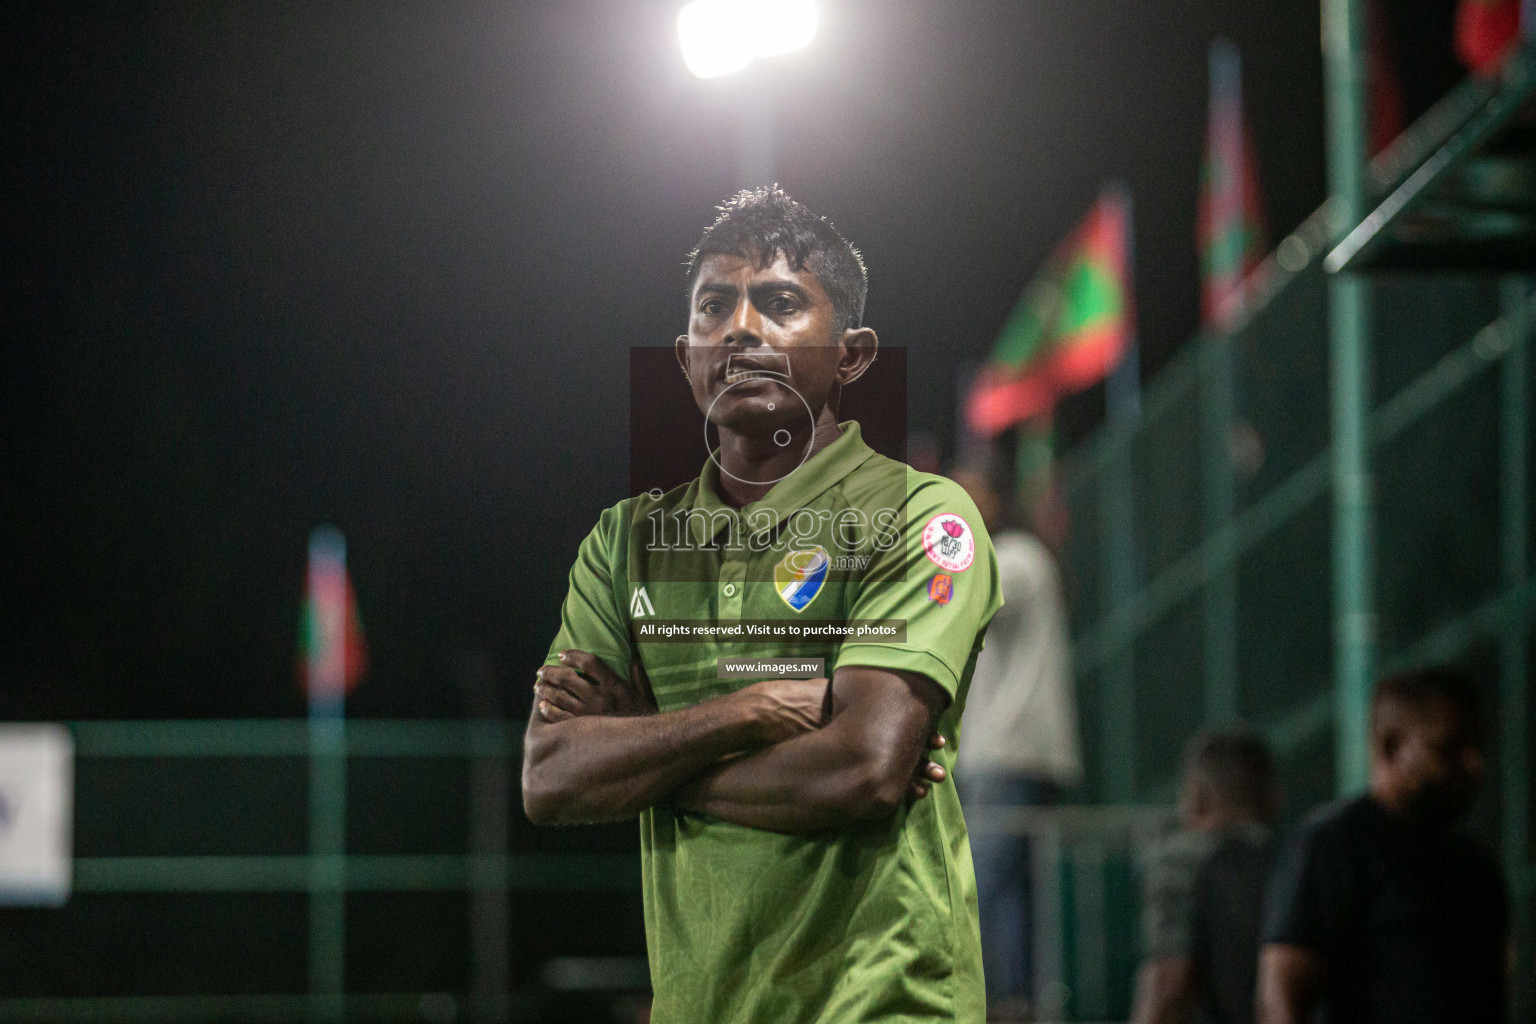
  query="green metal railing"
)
[
  {"x": 1337, "y": 487},
  {"x": 1109, "y": 632},
  {"x": 325, "y": 872},
  {"x": 1085, "y": 900}
]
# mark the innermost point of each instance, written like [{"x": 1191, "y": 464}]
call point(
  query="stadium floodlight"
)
[
  {"x": 722, "y": 36},
  {"x": 782, "y": 26},
  {"x": 716, "y": 36}
]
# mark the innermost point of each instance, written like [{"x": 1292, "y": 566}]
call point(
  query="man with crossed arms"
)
[{"x": 795, "y": 865}]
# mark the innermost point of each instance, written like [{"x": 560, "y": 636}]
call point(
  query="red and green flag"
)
[
  {"x": 1069, "y": 329},
  {"x": 1486, "y": 30},
  {"x": 1385, "y": 92},
  {"x": 332, "y": 655},
  {"x": 1230, "y": 219}
]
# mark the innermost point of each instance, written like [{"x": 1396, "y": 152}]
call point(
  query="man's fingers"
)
[
  {"x": 923, "y": 778},
  {"x": 936, "y": 741},
  {"x": 550, "y": 713},
  {"x": 927, "y": 773},
  {"x": 567, "y": 679},
  {"x": 560, "y": 698},
  {"x": 589, "y": 665}
]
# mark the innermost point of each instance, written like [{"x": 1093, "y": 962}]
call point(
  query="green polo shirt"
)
[{"x": 869, "y": 921}]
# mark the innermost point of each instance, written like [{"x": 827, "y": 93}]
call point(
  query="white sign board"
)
[{"x": 37, "y": 796}]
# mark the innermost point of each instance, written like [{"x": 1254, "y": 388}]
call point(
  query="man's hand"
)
[
  {"x": 584, "y": 685},
  {"x": 1166, "y": 987},
  {"x": 791, "y": 707},
  {"x": 1291, "y": 980},
  {"x": 597, "y": 749},
  {"x": 861, "y": 766},
  {"x": 926, "y": 772}
]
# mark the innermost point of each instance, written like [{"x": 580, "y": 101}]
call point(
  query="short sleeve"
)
[
  {"x": 940, "y": 578},
  {"x": 1306, "y": 900},
  {"x": 589, "y": 618},
  {"x": 1168, "y": 899}
]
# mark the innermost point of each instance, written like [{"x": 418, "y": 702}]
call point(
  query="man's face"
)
[
  {"x": 773, "y": 330},
  {"x": 1434, "y": 760}
]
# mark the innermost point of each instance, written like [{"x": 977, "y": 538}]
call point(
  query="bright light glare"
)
[
  {"x": 783, "y": 26},
  {"x": 716, "y": 36},
  {"x": 721, "y": 36}
]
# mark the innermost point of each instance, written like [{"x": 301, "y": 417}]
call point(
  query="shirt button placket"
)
[{"x": 731, "y": 589}]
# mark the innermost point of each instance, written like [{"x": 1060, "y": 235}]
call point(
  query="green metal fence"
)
[
  {"x": 1085, "y": 900},
  {"x": 1202, "y": 566},
  {"x": 205, "y": 833}
]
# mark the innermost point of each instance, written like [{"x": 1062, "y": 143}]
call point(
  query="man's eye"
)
[
  {"x": 711, "y": 308},
  {"x": 782, "y": 304}
]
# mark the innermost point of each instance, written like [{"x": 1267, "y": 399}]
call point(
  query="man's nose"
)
[{"x": 746, "y": 324}]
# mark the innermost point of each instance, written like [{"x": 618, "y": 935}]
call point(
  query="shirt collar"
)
[{"x": 811, "y": 480}]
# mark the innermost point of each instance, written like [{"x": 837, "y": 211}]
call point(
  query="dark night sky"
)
[{"x": 381, "y": 265}]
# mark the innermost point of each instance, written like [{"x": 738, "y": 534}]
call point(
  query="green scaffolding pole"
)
[
  {"x": 326, "y": 681},
  {"x": 327, "y": 864},
  {"x": 1117, "y": 680},
  {"x": 1344, "y": 64},
  {"x": 1514, "y": 750},
  {"x": 1218, "y": 492}
]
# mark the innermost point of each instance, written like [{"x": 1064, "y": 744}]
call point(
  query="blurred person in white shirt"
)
[{"x": 1019, "y": 740}]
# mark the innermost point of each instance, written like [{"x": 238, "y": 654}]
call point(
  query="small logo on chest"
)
[
  {"x": 801, "y": 576},
  {"x": 640, "y": 604}
]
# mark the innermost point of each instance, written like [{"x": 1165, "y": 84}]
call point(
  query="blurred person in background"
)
[
  {"x": 1380, "y": 909},
  {"x": 1020, "y": 729},
  {"x": 1204, "y": 886}
]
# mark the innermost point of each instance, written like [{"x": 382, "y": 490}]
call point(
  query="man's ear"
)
[
  {"x": 859, "y": 347},
  {"x": 680, "y": 347}
]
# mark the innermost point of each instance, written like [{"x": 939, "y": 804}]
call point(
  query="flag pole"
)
[
  {"x": 1123, "y": 389},
  {"x": 1225, "y": 170},
  {"x": 1117, "y": 539},
  {"x": 972, "y": 450},
  {"x": 327, "y": 667},
  {"x": 1224, "y": 255}
]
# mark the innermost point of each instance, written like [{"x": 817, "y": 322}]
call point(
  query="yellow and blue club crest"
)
[{"x": 800, "y": 575}]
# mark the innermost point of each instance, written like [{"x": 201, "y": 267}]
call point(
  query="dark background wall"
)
[{"x": 381, "y": 265}]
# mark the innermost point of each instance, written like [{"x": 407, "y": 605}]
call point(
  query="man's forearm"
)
[
  {"x": 1290, "y": 982},
  {"x": 812, "y": 782},
  {"x": 856, "y": 768},
  {"x": 602, "y": 768},
  {"x": 1165, "y": 988}
]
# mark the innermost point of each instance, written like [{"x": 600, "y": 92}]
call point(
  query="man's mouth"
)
[{"x": 759, "y": 366}]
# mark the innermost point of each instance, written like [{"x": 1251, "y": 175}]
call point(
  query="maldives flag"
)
[
  {"x": 1230, "y": 221},
  {"x": 1385, "y": 96},
  {"x": 1070, "y": 328},
  {"x": 1486, "y": 30},
  {"x": 332, "y": 656}
]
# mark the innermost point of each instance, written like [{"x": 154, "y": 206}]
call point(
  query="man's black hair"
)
[
  {"x": 1235, "y": 766},
  {"x": 1419, "y": 687},
  {"x": 757, "y": 224}
]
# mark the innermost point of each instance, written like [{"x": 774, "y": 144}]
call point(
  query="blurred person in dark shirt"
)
[
  {"x": 1380, "y": 908},
  {"x": 1204, "y": 886}
]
